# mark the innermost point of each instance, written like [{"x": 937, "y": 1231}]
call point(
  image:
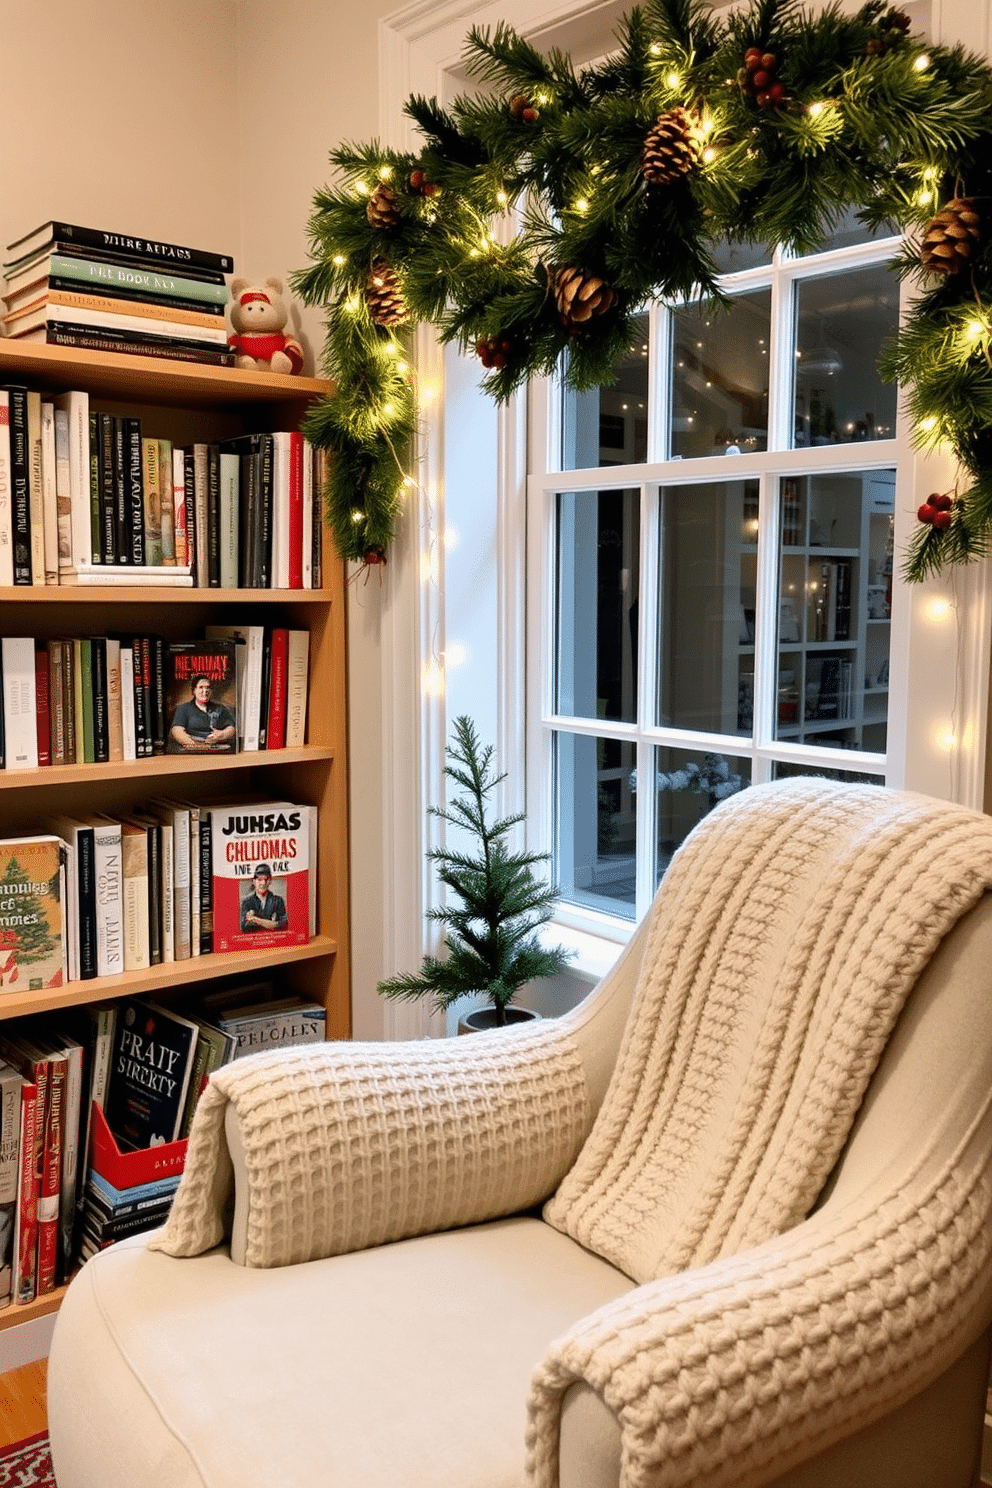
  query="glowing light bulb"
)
[
  {"x": 928, "y": 423},
  {"x": 816, "y": 109},
  {"x": 976, "y": 329},
  {"x": 385, "y": 172},
  {"x": 582, "y": 205},
  {"x": 922, "y": 63},
  {"x": 455, "y": 654},
  {"x": 925, "y": 198},
  {"x": 673, "y": 80},
  {"x": 655, "y": 49},
  {"x": 709, "y": 154},
  {"x": 938, "y": 610},
  {"x": 947, "y": 740},
  {"x": 357, "y": 516},
  {"x": 339, "y": 259},
  {"x": 362, "y": 189},
  {"x": 502, "y": 198}
]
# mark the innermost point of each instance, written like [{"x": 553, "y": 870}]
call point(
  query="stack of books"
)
[{"x": 67, "y": 285}]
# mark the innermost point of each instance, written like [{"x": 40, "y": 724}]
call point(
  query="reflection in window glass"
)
[
  {"x": 848, "y": 230},
  {"x": 689, "y": 784},
  {"x": 835, "y": 603},
  {"x": 595, "y": 836},
  {"x": 843, "y": 322},
  {"x": 720, "y": 377},
  {"x": 598, "y": 575},
  {"x": 609, "y": 425},
  {"x": 708, "y": 566}
]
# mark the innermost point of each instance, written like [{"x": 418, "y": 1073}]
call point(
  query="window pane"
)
[
  {"x": 690, "y": 784},
  {"x": 730, "y": 258},
  {"x": 609, "y": 425},
  {"x": 598, "y": 537},
  {"x": 783, "y": 771},
  {"x": 835, "y": 599},
  {"x": 720, "y": 377},
  {"x": 595, "y": 837},
  {"x": 847, "y": 230},
  {"x": 842, "y": 323},
  {"x": 708, "y": 563}
]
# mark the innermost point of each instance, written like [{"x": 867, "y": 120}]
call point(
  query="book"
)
[
  {"x": 201, "y": 515},
  {"x": 228, "y": 519},
  {"x": 32, "y": 921},
  {"x": 201, "y": 697},
  {"x": 284, "y": 1021},
  {"x": 180, "y": 537},
  {"x": 151, "y": 488},
  {"x": 11, "y": 1082},
  {"x": 111, "y": 276},
  {"x": 78, "y": 837},
  {"x": 165, "y": 496},
  {"x": 43, "y": 726},
  {"x": 40, "y": 316},
  {"x": 149, "y": 1074},
  {"x": 20, "y": 498},
  {"x": 261, "y": 891},
  {"x": 214, "y": 1047},
  {"x": 25, "y": 1279},
  {"x": 297, "y": 661},
  {"x": 6, "y": 503},
  {"x": 141, "y": 249},
  {"x": 63, "y": 486},
  {"x": 36, "y": 515},
  {"x": 275, "y": 737},
  {"x": 19, "y": 701},
  {"x": 175, "y": 876},
  {"x": 101, "y": 699},
  {"x": 129, "y": 343},
  {"x": 63, "y": 293},
  {"x": 109, "y": 873},
  {"x": 75, "y": 404},
  {"x": 126, "y": 576},
  {"x": 50, "y": 1190},
  {"x": 49, "y": 500}
]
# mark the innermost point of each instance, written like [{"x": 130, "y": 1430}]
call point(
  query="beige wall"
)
[{"x": 206, "y": 122}]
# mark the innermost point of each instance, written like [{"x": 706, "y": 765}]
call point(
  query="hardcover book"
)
[
  {"x": 32, "y": 935},
  {"x": 149, "y": 1074},
  {"x": 261, "y": 876},
  {"x": 10, "y": 1146},
  {"x": 201, "y": 697},
  {"x": 137, "y": 248}
]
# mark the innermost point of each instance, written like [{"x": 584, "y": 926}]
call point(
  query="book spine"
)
[
  {"x": 157, "y": 647},
  {"x": 134, "y": 491},
  {"x": 6, "y": 502},
  {"x": 85, "y": 654},
  {"x": 147, "y": 695},
  {"x": 252, "y": 704},
  {"x": 181, "y": 883},
  {"x": 165, "y": 506},
  {"x": 51, "y": 1178},
  {"x": 10, "y": 1147},
  {"x": 129, "y": 730},
  {"x": 56, "y": 702},
  {"x": 105, "y": 538},
  {"x": 35, "y": 490},
  {"x": 297, "y": 660},
  {"x": 115, "y": 719},
  {"x": 86, "y": 890},
  {"x": 201, "y": 515},
  {"x": 147, "y": 281},
  {"x": 101, "y": 700},
  {"x": 206, "y": 885},
  {"x": 194, "y": 880},
  {"x": 25, "y": 1282},
  {"x": 70, "y": 1177},
  {"x": 169, "y": 309},
  {"x": 122, "y": 545},
  {"x": 92, "y": 338},
  {"x": 152, "y": 492},
  {"x": 95, "y": 479},
  {"x": 145, "y": 327},
  {"x": 49, "y": 499},
  {"x": 275, "y": 737},
  {"x": 142, "y": 249},
  {"x": 154, "y": 894},
  {"x": 76, "y": 406},
  {"x": 189, "y": 501},
  {"x": 306, "y": 461},
  {"x": 109, "y": 898},
  {"x": 69, "y": 696},
  {"x": 20, "y": 478},
  {"x": 294, "y": 497},
  {"x": 142, "y": 740},
  {"x": 213, "y": 516},
  {"x": 230, "y": 466},
  {"x": 63, "y": 487},
  {"x": 168, "y": 899},
  {"x": 134, "y": 860},
  {"x": 179, "y": 507},
  {"x": 264, "y": 553},
  {"x": 20, "y": 723},
  {"x": 44, "y": 725}
]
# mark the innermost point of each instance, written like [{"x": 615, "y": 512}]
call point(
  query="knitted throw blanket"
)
[{"x": 791, "y": 926}]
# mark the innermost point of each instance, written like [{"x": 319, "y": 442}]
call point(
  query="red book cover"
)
[
  {"x": 26, "y": 1260},
  {"x": 278, "y": 690},
  {"x": 296, "y": 511},
  {"x": 41, "y": 699},
  {"x": 51, "y": 1175},
  {"x": 261, "y": 876}
]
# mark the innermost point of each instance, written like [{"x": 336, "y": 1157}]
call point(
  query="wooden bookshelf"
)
[{"x": 184, "y": 402}]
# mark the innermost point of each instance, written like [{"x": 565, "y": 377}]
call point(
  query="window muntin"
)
[{"x": 710, "y": 651}]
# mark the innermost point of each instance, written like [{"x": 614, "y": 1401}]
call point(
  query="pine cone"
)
[
  {"x": 670, "y": 148},
  {"x": 951, "y": 237},
  {"x": 580, "y": 296},
  {"x": 384, "y": 296},
  {"x": 381, "y": 209}
]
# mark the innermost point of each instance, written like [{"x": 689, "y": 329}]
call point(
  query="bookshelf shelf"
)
[
  {"x": 157, "y": 980},
  {"x": 152, "y": 594},
  {"x": 160, "y": 767},
  {"x": 28, "y": 1311}
]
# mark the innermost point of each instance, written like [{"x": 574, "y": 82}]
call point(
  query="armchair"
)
[{"x": 729, "y": 1222}]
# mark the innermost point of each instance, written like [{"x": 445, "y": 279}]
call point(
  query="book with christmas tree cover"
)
[
  {"x": 201, "y": 694},
  {"x": 149, "y": 1074},
  {"x": 261, "y": 876},
  {"x": 33, "y": 933}
]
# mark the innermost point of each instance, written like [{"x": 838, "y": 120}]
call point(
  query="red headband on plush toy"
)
[{"x": 253, "y": 294}]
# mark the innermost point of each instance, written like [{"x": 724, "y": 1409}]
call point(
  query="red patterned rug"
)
[{"x": 27, "y": 1464}]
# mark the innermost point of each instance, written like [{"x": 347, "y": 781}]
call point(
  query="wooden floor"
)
[{"x": 22, "y": 1402}]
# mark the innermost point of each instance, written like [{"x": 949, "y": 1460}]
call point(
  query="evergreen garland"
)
[{"x": 763, "y": 126}]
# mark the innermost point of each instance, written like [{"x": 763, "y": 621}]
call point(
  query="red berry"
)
[
  {"x": 530, "y": 115},
  {"x": 777, "y": 92},
  {"x": 429, "y": 188},
  {"x": 752, "y": 58},
  {"x": 940, "y": 502},
  {"x": 416, "y": 179},
  {"x": 769, "y": 61},
  {"x": 926, "y": 512},
  {"x": 764, "y": 99},
  {"x": 942, "y": 520},
  {"x": 761, "y": 81}
]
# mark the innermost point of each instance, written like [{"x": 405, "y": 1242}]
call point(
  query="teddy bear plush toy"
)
[{"x": 259, "y": 315}]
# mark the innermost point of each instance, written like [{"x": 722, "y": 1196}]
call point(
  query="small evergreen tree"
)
[{"x": 490, "y": 934}]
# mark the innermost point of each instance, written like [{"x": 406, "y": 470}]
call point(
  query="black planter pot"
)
[{"x": 485, "y": 1017}]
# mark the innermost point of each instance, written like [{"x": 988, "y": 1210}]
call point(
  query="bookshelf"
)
[{"x": 187, "y": 402}]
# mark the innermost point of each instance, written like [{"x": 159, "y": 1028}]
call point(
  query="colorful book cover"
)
[
  {"x": 149, "y": 1074},
  {"x": 32, "y": 939},
  {"x": 202, "y": 697},
  {"x": 10, "y": 1147},
  {"x": 261, "y": 876}
]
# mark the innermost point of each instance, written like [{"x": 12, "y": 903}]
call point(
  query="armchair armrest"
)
[
  {"x": 348, "y": 1145},
  {"x": 739, "y": 1370}
]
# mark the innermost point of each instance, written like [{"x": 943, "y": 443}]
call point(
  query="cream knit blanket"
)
[{"x": 792, "y": 925}]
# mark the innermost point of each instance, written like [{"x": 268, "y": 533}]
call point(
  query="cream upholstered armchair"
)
[{"x": 729, "y": 1222}]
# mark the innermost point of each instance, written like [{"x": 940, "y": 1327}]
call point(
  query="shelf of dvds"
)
[{"x": 187, "y": 402}]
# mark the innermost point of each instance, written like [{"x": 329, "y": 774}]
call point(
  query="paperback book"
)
[
  {"x": 149, "y": 1074},
  {"x": 261, "y": 876},
  {"x": 33, "y": 938},
  {"x": 202, "y": 697}
]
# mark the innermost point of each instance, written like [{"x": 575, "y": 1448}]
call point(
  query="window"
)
[{"x": 714, "y": 536}]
